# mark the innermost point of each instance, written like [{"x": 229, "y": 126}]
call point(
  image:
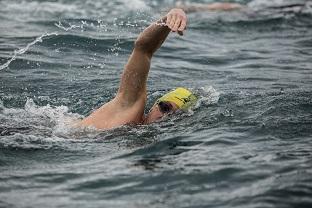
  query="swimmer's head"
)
[{"x": 178, "y": 99}]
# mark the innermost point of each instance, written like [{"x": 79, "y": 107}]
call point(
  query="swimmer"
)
[
  {"x": 256, "y": 5},
  {"x": 128, "y": 105},
  {"x": 216, "y": 6}
]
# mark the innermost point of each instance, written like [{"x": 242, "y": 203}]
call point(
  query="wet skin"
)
[{"x": 128, "y": 105}]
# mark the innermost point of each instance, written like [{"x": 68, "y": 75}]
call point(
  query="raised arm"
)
[
  {"x": 217, "y": 6},
  {"x": 129, "y": 103},
  {"x": 133, "y": 81}
]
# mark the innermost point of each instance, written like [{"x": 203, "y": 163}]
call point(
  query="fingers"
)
[
  {"x": 171, "y": 21},
  {"x": 176, "y": 25},
  {"x": 182, "y": 25},
  {"x": 169, "y": 17},
  {"x": 176, "y": 21}
]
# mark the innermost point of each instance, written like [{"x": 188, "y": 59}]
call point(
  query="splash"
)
[
  {"x": 36, "y": 127},
  {"x": 25, "y": 49},
  {"x": 43, "y": 119},
  {"x": 207, "y": 96},
  {"x": 61, "y": 26}
]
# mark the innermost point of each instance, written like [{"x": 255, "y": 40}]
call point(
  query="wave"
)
[
  {"x": 43, "y": 120},
  {"x": 25, "y": 11},
  {"x": 34, "y": 123}
]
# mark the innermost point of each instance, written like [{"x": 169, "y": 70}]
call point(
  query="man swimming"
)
[
  {"x": 257, "y": 6},
  {"x": 128, "y": 105},
  {"x": 216, "y": 6}
]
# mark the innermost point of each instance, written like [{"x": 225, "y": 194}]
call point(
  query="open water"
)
[{"x": 248, "y": 142}]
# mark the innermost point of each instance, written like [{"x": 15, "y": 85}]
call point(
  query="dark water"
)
[{"x": 246, "y": 144}]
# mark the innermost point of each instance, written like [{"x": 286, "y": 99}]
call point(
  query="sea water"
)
[{"x": 247, "y": 142}]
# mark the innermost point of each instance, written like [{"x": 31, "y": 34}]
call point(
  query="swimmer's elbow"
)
[{"x": 144, "y": 45}]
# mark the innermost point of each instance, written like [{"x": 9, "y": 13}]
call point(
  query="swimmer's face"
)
[{"x": 159, "y": 110}]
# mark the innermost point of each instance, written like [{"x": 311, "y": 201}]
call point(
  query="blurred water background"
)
[{"x": 247, "y": 143}]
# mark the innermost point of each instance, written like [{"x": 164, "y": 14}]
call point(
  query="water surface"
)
[{"x": 246, "y": 144}]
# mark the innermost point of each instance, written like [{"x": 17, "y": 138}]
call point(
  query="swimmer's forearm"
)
[
  {"x": 152, "y": 37},
  {"x": 211, "y": 7},
  {"x": 132, "y": 88},
  {"x": 133, "y": 80}
]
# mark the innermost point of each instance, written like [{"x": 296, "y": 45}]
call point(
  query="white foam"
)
[
  {"x": 60, "y": 116},
  {"x": 60, "y": 25},
  {"x": 57, "y": 120},
  {"x": 207, "y": 96}
]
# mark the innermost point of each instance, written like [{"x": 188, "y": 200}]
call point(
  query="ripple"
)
[{"x": 246, "y": 143}]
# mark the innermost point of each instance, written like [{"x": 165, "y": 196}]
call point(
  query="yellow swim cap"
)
[{"x": 182, "y": 97}]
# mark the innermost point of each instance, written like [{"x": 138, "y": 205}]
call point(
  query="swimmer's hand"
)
[{"x": 176, "y": 20}]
